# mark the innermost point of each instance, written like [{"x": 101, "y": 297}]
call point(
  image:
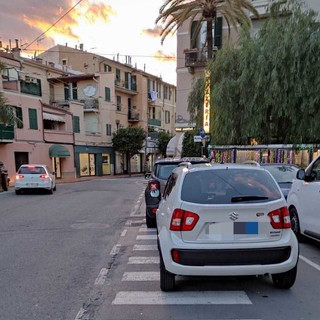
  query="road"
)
[{"x": 84, "y": 253}]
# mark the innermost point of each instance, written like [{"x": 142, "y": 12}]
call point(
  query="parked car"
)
[
  {"x": 155, "y": 186},
  {"x": 225, "y": 220},
  {"x": 34, "y": 176},
  {"x": 284, "y": 173},
  {"x": 304, "y": 201}
]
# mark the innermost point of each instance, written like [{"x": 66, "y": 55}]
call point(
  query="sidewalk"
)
[{"x": 81, "y": 179}]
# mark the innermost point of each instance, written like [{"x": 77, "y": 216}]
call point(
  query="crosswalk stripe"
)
[
  {"x": 146, "y": 247},
  {"x": 149, "y": 230},
  {"x": 143, "y": 260},
  {"x": 141, "y": 276},
  {"x": 178, "y": 298},
  {"x": 147, "y": 237}
]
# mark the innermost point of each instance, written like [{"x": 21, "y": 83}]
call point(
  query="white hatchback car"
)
[
  {"x": 34, "y": 176},
  {"x": 225, "y": 220},
  {"x": 304, "y": 201}
]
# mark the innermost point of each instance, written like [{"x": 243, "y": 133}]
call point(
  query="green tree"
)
[
  {"x": 163, "y": 140},
  {"x": 175, "y": 12},
  {"x": 128, "y": 141},
  {"x": 267, "y": 87},
  {"x": 189, "y": 147},
  {"x": 7, "y": 112}
]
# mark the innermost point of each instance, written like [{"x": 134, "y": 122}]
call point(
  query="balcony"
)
[
  {"x": 133, "y": 116},
  {"x": 154, "y": 122},
  {"x": 6, "y": 133},
  {"x": 194, "y": 58},
  {"x": 125, "y": 86},
  {"x": 90, "y": 104}
]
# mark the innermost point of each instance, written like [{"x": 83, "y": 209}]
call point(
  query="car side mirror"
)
[{"x": 301, "y": 174}]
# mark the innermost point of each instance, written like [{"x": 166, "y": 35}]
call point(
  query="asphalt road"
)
[{"x": 84, "y": 253}]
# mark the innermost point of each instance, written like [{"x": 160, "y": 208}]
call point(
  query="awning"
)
[
  {"x": 52, "y": 117},
  {"x": 58, "y": 151}
]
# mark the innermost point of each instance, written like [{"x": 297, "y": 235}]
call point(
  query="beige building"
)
[{"x": 68, "y": 117}]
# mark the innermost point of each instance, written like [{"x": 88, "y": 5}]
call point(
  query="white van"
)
[{"x": 304, "y": 201}]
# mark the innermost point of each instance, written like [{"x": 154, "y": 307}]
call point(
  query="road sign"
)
[
  {"x": 202, "y": 133},
  {"x": 199, "y": 138}
]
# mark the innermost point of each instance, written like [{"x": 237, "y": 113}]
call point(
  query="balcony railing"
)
[
  {"x": 133, "y": 116},
  {"x": 90, "y": 104},
  {"x": 197, "y": 58},
  {"x": 6, "y": 132}
]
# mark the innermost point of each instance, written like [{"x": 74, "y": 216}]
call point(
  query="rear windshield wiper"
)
[{"x": 248, "y": 198}]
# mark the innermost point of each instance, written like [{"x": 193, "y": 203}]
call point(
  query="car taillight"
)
[
  {"x": 153, "y": 185},
  {"x": 175, "y": 255},
  {"x": 183, "y": 220},
  {"x": 280, "y": 218},
  {"x": 44, "y": 176},
  {"x": 19, "y": 177}
]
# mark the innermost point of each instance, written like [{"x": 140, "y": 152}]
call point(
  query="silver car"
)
[
  {"x": 225, "y": 220},
  {"x": 34, "y": 176}
]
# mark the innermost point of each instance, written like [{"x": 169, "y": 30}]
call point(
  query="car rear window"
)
[
  {"x": 163, "y": 171},
  {"x": 229, "y": 186},
  {"x": 282, "y": 173},
  {"x": 32, "y": 170}
]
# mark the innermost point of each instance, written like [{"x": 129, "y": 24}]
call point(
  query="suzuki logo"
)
[{"x": 233, "y": 216}]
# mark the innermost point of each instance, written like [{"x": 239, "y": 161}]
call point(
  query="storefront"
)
[{"x": 94, "y": 161}]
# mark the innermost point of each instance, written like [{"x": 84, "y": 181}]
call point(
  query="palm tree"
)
[{"x": 173, "y": 13}]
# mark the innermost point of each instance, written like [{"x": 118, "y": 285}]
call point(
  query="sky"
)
[{"x": 104, "y": 27}]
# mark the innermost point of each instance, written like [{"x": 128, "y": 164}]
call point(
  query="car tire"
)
[
  {"x": 151, "y": 223},
  {"x": 18, "y": 191},
  {"x": 55, "y": 188},
  {"x": 285, "y": 280},
  {"x": 295, "y": 224},
  {"x": 51, "y": 190},
  {"x": 167, "y": 279}
]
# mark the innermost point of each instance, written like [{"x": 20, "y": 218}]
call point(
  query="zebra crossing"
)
[{"x": 145, "y": 254}]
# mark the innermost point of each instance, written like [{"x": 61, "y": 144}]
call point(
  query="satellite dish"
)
[{"x": 89, "y": 91}]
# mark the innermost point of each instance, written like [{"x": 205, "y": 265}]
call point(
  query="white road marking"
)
[
  {"x": 149, "y": 230},
  {"x": 143, "y": 260},
  {"x": 141, "y": 276},
  {"x": 101, "y": 277},
  {"x": 115, "y": 250},
  {"x": 147, "y": 237},
  {"x": 146, "y": 247},
  {"x": 124, "y": 232},
  {"x": 80, "y": 314},
  {"x": 309, "y": 262},
  {"x": 178, "y": 298}
]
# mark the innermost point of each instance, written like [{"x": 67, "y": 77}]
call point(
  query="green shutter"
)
[
  {"x": 126, "y": 79},
  {"x": 76, "y": 124},
  {"x": 107, "y": 94},
  {"x": 74, "y": 91},
  {"x": 134, "y": 83},
  {"x": 19, "y": 116},
  {"x": 218, "y": 33},
  {"x": 33, "y": 121},
  {"x": 66, "y": 92}
]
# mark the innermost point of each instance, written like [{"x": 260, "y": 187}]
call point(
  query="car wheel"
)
[
  {"x": 295, "y": 224},
  {"x": 167, "y": 279},
  {"x": 51, "y": 190},
  {"x": 18, "y": 191},
  {"x": 55, "y": 188},
  {"x": 151, "y": 223},
  {"x": 285, "y": 280}
]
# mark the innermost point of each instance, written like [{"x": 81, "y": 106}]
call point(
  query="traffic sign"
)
[
  {"x": 199, "y": 138},
  {"x": 202, "y": 133}
]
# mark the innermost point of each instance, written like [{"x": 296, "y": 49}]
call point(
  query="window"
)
[
  {"x": 19, "y": 116},
  {"x": 167, "y": 116},
  {"x": 64, "y": 62},
  {"x": 119, "y": 103},
  {"x": 108, "y": 129},
  {"x": 33, "y": 121},
  {"x": 107, "y": 94},
  {"x": 167, "y": 92},
  {"x": 76, "y": 124},
  {"x": 107, "y": 68},
  {"x": 118, "y": 76}
]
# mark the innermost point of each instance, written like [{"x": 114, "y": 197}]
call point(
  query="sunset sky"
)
[{"x": 104, "y": 27}]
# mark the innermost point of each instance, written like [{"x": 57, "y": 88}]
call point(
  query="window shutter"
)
[
  {"x": 66, "y": 92},
  {"x": 33, "y": 121},
  {"x": 74, "y": 91},
  {"x": 107, "y": 94},
  {"x": 76, "y": 124},
  {"x": 218, "y": 32},
  {"x": 19, "y": 116}
]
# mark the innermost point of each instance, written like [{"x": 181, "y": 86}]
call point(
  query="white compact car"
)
[
  {"x": 34, "y": 176},
  {"x": 304, "y": 201},
  {"x": 225, "y": 220}
]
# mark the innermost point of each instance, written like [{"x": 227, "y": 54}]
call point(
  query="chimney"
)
[
  {"x": 81, "y": 46},
  {"x": 17, "y": 43}
]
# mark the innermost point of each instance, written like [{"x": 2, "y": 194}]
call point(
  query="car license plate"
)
[
  {"x": 32, "y": 185},
  {"x": 234, "y": 228}
]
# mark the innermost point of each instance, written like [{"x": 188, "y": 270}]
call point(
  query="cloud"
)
[
  {"x": 161, "y": 56},
  {"x": 155, "y": 32}
]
